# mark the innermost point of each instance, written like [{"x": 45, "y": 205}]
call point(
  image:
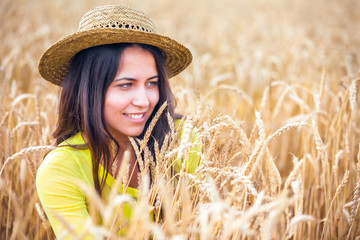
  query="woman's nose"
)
[{"x": 141, "y": 99}]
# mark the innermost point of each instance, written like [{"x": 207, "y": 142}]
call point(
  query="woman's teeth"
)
[{"x": 135, "y": 116}]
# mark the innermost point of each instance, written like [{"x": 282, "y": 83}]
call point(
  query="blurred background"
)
[
  {"x": 241, "y": 48},
  {"x": 244, "y": 44}
]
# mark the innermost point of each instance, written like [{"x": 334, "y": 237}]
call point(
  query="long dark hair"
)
[{"x": 81, "y": 106}]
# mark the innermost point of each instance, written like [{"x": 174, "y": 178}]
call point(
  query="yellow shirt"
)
[{"x": 60, "y": 174}]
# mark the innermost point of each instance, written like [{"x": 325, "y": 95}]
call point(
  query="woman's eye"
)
[
  {"x": 152, "y": 84},
  {"x": 125, "y": 85}
]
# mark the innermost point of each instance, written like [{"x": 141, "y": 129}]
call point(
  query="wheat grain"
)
[
  {"x": 37, "y": 108},
  {"x": 22, "y": 173},
  {"x": 344, "y": 181},
  {"x": 296, "y": 221},
  {"x": 23, "y": 124},
  {"x": 281, "y": 100},
  {"x": 322, "y": 82},
  {"x": 185, "y": 138},
  {"x": 20, "y": 98},
  {"x": 317, "y": 101},
  {"x": 255, "y": 159},
  {"x": 40, "y": 212},
  {"x": 355, "y": 207},
  {"x": 151, "y": 126},
  {"x": 24, "y": 152},
  {"x": 260, "y": 126},
  {"x": 338, "y": 190},
  {"x": 274, "y": 176},
  {"x": 171, "y": 124},
  {"x": 213, "y": 145},
  {"x": 347, "y": 143},
  {"x": 338, "y": 157},
  {"x": 264, "y": 99},
  {"x": 352, "y": 95},
  {"x": 318, "y": 141}
]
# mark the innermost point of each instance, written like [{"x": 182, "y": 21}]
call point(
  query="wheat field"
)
[{"x": 273, "y": 92}]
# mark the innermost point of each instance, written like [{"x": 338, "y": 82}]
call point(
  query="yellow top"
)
[{"x": 60, "y": 175}]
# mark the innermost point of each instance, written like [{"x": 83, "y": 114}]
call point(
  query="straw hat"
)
[{"x": 107, "y": 25}]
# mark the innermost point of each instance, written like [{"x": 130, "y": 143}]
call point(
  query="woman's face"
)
[{"x": 133, "y": 94}]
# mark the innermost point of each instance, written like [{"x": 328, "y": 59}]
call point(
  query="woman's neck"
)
[
  {"x": 127, "y": 157},
  {"x": 124, "y": 146}
]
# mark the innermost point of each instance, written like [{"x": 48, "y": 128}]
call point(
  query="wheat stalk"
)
[
  {"x": 24, "y": 152},
  {"x": 338, "y": 191}
]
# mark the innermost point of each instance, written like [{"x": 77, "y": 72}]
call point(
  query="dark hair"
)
[{"x": 81, "y": 107}]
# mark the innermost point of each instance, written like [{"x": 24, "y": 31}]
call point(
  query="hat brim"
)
[{"x": 55, "y": 62}]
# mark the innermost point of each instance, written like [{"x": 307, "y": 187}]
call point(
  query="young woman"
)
[{"x": 114, "y": 76}]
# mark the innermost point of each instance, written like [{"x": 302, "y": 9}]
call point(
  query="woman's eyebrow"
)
[
  {"x": 153, "y": 77},
  {"x": 133, "y": 79},
  {"x": 125, "y": 78}
]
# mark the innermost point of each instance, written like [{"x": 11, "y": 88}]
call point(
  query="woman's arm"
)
[{"x": 57, "y": 186}]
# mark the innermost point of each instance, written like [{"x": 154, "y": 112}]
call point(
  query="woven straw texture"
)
[{"x": 107, "y": 25}]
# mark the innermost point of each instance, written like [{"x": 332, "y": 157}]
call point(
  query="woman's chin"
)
[{"x": 135, "y": 133}]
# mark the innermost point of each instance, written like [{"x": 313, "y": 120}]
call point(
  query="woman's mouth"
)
[{"x": 135, "y": 116}]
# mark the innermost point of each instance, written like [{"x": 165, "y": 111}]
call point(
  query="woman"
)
[{"x": 114, "y": 76}]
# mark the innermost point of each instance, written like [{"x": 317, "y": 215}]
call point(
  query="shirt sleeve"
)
[{"x": 57, "y": 186}]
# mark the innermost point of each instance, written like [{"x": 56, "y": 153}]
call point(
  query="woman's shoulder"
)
[{"x": 69, "y": 155}]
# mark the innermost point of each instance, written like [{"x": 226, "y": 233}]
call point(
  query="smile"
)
[{"x": 135, "y": 116}]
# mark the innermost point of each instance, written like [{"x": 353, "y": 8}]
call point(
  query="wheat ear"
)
[
  {"x": 338, "y": 191},
  {"x": 151, "y": 126},
  {"x": 26, "y": 151}
]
